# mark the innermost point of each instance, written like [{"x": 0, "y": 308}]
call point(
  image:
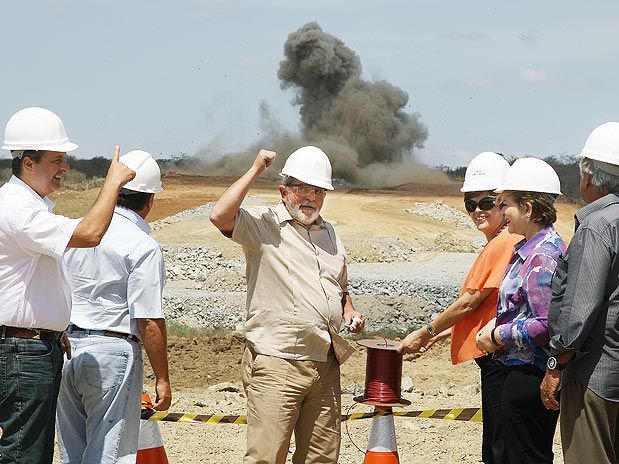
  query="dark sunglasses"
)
[{"x": 485, "y": 204}]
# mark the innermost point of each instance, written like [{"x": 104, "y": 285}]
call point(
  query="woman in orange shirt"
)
[{"x": 477, "y": 302}]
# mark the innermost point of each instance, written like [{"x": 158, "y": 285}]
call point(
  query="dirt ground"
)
[{"x": 199, "y": 363}]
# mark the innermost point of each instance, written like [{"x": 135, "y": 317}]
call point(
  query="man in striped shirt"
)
[{"x": 584, "y": 314}]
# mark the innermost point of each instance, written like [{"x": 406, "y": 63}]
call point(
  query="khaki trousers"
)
[
  {"x": 589, "y": 427},
  {"x": 283, "y": 396}
]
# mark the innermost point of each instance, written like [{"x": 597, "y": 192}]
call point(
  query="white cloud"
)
[
  {"x": 536, "y": 76},
  {"x": 540, "y": 76}
]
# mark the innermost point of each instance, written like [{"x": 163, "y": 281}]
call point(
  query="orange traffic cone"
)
[
  {"x": 382, "y": 445},
  {"x": 150, "y": 443}
]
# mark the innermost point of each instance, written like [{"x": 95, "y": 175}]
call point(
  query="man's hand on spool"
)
[{"x": 414, "y": 341}]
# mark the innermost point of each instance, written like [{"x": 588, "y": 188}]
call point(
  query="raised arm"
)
[
  {"x": 224, "y": 211},
  {"x": 93, "y": 226}
]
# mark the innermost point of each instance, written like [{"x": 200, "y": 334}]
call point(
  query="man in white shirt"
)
[
  {"x": 117, "y": 302},
  {"x": 34, "y": 288}
]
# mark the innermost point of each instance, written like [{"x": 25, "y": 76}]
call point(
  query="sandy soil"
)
[
  {"x": 360, "y": 217},
  {"x": 198, "y": 364}
]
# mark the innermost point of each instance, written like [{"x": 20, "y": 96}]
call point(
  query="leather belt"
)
[
  {"x": 35, "y": 334},
  {"x": 106, "y": 333}
]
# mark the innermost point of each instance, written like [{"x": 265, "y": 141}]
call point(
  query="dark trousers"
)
[
  {"x": 493, "y": 435},
  {"x": 529, "y": 426},
  {"x": 29, "y": 381}
]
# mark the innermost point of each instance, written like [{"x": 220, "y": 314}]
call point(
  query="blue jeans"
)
[
  {"x": 29, "y": 378},
  {"x": 100, "y": 400}
]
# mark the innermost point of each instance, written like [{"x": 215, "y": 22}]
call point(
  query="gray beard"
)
[{"x": 298, "y": 215}]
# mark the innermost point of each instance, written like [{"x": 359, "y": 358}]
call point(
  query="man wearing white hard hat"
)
[
  {"x": 297, "y": 298},
  {"x": 583, "y": 318},
  {"x": 36, "y": 299},
  {"x": 117, "y": 306}
]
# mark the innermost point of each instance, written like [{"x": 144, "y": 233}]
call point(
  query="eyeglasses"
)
[
  {"x": 304, "y": 190},
  {"x": 485, "y": 204}
]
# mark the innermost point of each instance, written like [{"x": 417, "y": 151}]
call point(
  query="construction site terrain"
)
[{"x": 408, "y": 248}]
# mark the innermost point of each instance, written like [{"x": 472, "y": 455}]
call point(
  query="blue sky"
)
[{"x": 521, "y": 77}]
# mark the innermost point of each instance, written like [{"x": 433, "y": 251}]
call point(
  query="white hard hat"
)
[
  {"x": 603, "y": 144},
  {"x": 147, "y": 173},
  {"x": 484, "y": 172},
  {"x": 531, "y": 175},
  {"x": 310, "y": 165},
  {"x": 36, "y": 129}
]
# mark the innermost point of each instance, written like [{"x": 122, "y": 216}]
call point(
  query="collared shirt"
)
[
  {"x": 524, "y": 299},
  {"x": 486, "y": 273},
  {"x": 120, "y": 280},
  {"x": 584, "y": 315},
  {"x": 296, "y": 279},
  {"x": 34, "y": 289}
]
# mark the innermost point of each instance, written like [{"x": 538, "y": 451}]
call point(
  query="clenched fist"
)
[{"x": 264, "y": 160}]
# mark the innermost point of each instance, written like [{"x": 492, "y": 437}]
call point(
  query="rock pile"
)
[
  {"x": 441, "y": 212},
  {"x": 206, "y": 289},
  {"x": 200, "y": 211}
]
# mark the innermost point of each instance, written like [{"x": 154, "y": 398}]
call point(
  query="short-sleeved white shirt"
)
[
  {"x": 120, "y": 280},
  {"x": 34, "y": 288}
]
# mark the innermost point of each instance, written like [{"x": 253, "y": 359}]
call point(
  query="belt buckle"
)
[{"x": 38, "y": 334}]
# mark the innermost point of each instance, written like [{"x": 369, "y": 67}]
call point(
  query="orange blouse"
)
[{"x": 486, "y": 272}]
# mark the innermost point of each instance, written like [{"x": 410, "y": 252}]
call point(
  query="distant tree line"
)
[
  {"x": 566, "y": 167},
  {"x": 94, "y": 167}
]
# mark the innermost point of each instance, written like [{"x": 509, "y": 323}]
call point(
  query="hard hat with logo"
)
[
  {"x": 484, "y": 172},
  {"x": 36, "y": 129},
  {"x": 603, "y": 144},
  {"x": 531, "y": 175},
  {"x": 147, "y": 173},
  {"x": 310, "y": 165}
]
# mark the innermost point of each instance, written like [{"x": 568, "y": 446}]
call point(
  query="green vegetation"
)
[{"x": 178, "y": 329}]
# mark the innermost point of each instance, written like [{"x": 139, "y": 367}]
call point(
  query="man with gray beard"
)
[
  {"x": 583, "y": 370},
  {"x": 297, "y": 297}
]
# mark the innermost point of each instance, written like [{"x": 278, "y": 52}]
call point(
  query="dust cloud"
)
[{"x": 363, "y": 126}]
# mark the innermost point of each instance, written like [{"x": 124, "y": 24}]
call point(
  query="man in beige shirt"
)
[{"x": 297, "y": 297}]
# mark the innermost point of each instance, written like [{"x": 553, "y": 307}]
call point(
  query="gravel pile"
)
[
  {"x": 200, "y": 211},
  {"x": 206, "y": 289},
  {"x": 198, "y": 264},
  {"x": 439, "y": 211}
]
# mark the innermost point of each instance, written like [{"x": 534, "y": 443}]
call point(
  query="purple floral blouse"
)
[{"x": 524, "y": 300}]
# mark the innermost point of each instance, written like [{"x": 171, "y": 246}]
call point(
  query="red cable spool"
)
[{"x": 383, "y": 374}]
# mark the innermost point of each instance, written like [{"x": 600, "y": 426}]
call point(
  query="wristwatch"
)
[
  {"x": 553, "y": 365},
  {"x": 431, "y": 330}
]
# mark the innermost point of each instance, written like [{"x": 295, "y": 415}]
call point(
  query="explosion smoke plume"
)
[{"x": 361, "y": 125}]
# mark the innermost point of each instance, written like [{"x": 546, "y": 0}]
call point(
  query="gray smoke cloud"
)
[{"x": 363, "y": 126}]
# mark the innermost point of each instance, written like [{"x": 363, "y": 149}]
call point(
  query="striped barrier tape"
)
[{"x": 460, "y": 414}]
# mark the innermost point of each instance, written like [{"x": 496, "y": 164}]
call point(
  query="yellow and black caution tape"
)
[{"x": 460, "y": 414}]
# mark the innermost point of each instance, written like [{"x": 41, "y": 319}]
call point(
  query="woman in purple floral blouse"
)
[{"x": 519, "y": 337}]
